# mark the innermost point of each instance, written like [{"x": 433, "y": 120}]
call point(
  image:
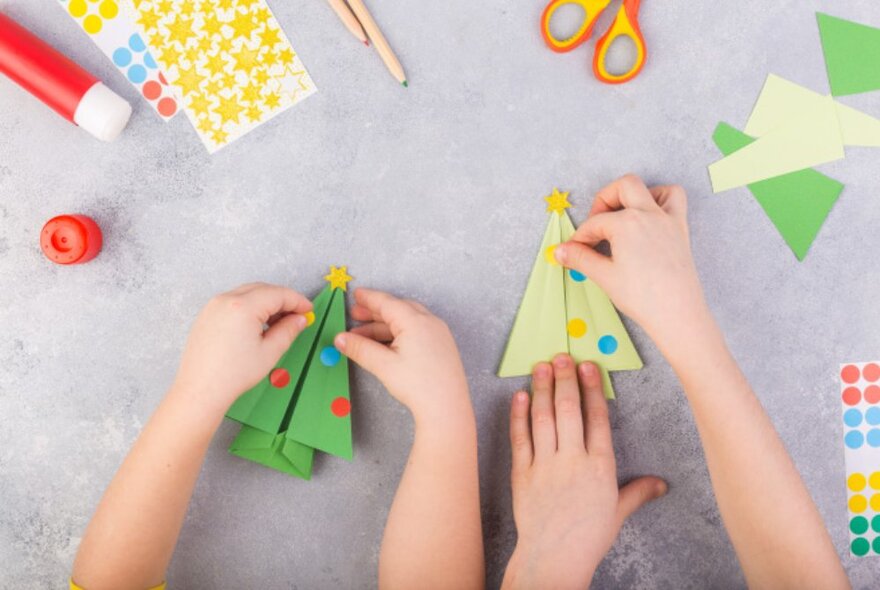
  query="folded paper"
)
[
  {"x": 563, "y": 311},
  {"x": 797, "y": 203},
  {"x": 303, "y": 404},
  {"x": 852, "y": 55},
  {"x": 228, "y": 61}
]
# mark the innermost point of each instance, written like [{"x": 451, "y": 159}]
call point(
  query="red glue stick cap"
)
[{"x": 71, "y": 239}]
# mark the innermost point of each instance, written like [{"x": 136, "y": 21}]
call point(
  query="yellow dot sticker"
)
[
  {"x": 577, "y": 328},
  {"x": 858, "y": 503},
  {"x": 310, "y": 318},
  {"x": 109, "y": 9},
  {"x": 77, "y": 8},
  {"x": 856, "y": 482},
  {"x": 875, "y": 502},
  {"x": 874, "y": 480},
  {"x": 548, "y": 254},
  {"x": 92, "y": 24}
]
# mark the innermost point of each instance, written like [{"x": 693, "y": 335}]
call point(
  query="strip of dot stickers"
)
[
  {"x": 112, "y": 29},
  {"x": 860, "y": 397},
  {"x": 228, "y": 61}
]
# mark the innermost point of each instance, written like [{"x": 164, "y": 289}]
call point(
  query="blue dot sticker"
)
[
  {"x": 874, "y": 437},
  {"x": 872, "y": 416},
  {"x": 330, "y": 356},
  {"x": 854, "y": 439},
  {"x": 136, "y": 43},
  {"x": 137, "y": 74},
  {"x": 576, "y": 276},
  {"x": 122, "y": 57},
  {"x": 608, "y": 344},
  {"x": 852, "y": 418},
  {"x": 149, "y": 61}
]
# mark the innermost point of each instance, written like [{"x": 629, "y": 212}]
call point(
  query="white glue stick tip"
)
[{"x": 102, "y": 112}]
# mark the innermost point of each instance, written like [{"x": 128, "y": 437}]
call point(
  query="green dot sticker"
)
[
  {"x": 860, "y": 546},
  {"x": 875, "y": 523},
  {"x": 877, "y": 545},
  {"x": 859, "y": 525}
]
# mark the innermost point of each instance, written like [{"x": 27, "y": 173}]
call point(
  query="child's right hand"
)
[
  {"x": 411, "y": 351},
  {"x": 650, "y": 274}
]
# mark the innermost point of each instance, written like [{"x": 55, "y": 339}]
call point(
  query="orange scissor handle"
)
[
  {"x": 626, "y": 24},
  {"x": 592, "y": 8}
]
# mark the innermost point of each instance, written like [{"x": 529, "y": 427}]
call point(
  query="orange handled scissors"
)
[{"x": 626, "y": 24}]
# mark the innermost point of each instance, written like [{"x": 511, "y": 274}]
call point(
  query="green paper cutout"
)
[
  {"x": 264, "y": 406},
  {"x": 552, "y": 300},
  {"x": 314, "y": 423},
  {"x": 275, "y": 451},
  {"x": 797, "y": 203},
  {"x": 852, "y": 55}
]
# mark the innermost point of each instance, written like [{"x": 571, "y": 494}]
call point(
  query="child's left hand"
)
[
  {"x": 566, "y": 503},
  {"x": 229, "y": 351}
]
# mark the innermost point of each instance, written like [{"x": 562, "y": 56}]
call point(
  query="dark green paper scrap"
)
[
  {"x": 797, "y": 203},
  {"x": 852, "y": 55}
]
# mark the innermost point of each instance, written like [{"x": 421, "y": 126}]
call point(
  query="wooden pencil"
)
[
  {"x": 349, "y": 20},
  {"x": 379, "y": 41}
]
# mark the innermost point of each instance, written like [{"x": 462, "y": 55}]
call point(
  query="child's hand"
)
[
  {"x": 229, "y": 351},
  {"x": 566, "y": 504},
  {"x": 650, "y": 275},
  {"x": 420, "y": 366}
]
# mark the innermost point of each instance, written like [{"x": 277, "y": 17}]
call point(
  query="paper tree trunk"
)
[
  {"x": 562, "y": 311},
  {"x": 303, "y": 405}
]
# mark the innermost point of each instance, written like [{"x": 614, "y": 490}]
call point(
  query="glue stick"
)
[{"x": 72, "y": 92}]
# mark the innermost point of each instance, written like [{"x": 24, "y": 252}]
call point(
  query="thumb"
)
[
  {"x": 283, "y": 332},
  {"x": 637, "y": 493},
  {"x": 367, "y": 353},
  {"x": 583, "y": 259}
]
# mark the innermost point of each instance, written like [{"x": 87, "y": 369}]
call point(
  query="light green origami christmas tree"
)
[
  {"x": 304, "y": 404},
  {"x": 564, "y": 311}
]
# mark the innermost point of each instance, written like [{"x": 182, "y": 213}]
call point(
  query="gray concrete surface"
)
[{"x": 433, "y": 193}]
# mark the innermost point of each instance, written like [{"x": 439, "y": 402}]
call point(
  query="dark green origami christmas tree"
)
[{"x": 303, "y": 405}]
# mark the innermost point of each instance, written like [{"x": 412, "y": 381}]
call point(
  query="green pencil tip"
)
[{"x": 405, "y": 84}]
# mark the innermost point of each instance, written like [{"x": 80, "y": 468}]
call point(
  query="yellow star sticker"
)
[
  {"x": 229, "y": 109},
  {"x": 261, "y": 77},
  {"x": 212, "y": 87},
  {"x": 170, "y": 54},
  {"x": 243, "y": 24},
  {"x": 272, "y": 100},
  {"x": 205, "y": 125},
  {"x": 338, "y": 278},
  {"x": 157, "y": 40},
  {"x": 204, "y": 45},
  {"x": 228, "y": 80},
  {"x": 149, "y": 20},
  {"x": 270, "y": 37},
  {"x": 224, "y": 44},
  {"x": 215, "y": 64},
  {"x": 254, "y": 113},
  {"x": 180, "y": 30},
  {"x": 199, "y": 104},
  {"x": 219, "y": 136},
  {"x": 270, "y": 58},
  {"x": 286, "y": 56},
  {"x": 252, "y": 92},
  {"x": 188, "y": 80},
  {"x": 165, "y": 6},
  {"x": 187, "y": 7},
  {"x": 193, "y": 54},
  {"x": 557, "y": 202},
  {"x": 246, "y": 58},
  {"x": 226, "y": 4},
  {"x": 212, "y": 25}
]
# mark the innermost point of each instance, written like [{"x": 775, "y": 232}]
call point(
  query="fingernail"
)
[
  {"x": 662, "y": 488},
  {"x": 588, "y": 369},
  {"x": 340, "y": 341},
  {"x": 542, "y": 371},
  {"x": 561, "y": 361},
  {"x": 301, "y": 321},
  {"x": 560, "y": 253},
  {"x": 521, "y": 397}
]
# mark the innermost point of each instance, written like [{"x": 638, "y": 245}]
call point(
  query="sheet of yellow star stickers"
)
[{"x": 229, "y": 62}]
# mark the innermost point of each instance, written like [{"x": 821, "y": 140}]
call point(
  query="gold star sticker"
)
[
  {"x": 229, "y": 109},
  {"x": 188, "y": 80},
  {"x": 224, "y": 44},
  {"x": 180, "y": 30},
  {"x": 219, "y": 136},
  {"x": 286, "y": 56},
  {"x": 246, "y": 58},
  {"x": 270, "y": 37},
  {"x": 557, "y": 202},
  {"x": 261, "y": 77},
  {"x": 272, "y": 100},
  {"x": 199, "y": 104},
  {"x": 252, "y": 92},
  {"x": 157, "y": 40},
  {"x": 205, "y": 125},
  {"x": 338, "y": 278},
  {"x": 254, "y": 113},
  {"x": 212, "y": 25},
  {"x": 170, "y": 54},
  {"x": 215, "y": 64},
  {"x": 243, "y": 24},
  {"x": 213, "y": 87},
  {"x": 165, "y": 6},
  {"x": 149, "y": 20}
]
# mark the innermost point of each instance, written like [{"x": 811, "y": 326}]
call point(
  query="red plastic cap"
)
[{"x": 71, "y": 239}]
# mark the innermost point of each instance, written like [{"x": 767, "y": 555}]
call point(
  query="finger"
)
[
  {"x": 387, "y": 308},
  {"x": 583, "y": 259},
  {"x": 567, "y": 403},
  {"x": 543, "y": 421},
  {"x": 520, "y": 434},
  {"x": 418, "y": 306},
  {"x": 247, "y": 287},
  {"x": 375, "y": 331},
  {"x": 598, "y": 426},
  {"x": 283, "y": 332},
  {"x": 671, "y": 198},
  {"x": 627, "y": 192},
  {"x": 637, "y": 493},
  {"x": 597, "y": 228},
  {"x": 369, "y": 354},
  {"x": 268, "y": 300},
  {"x": 361, "y": 314}
]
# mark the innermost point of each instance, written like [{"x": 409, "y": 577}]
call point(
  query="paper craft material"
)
[
  {"x": 113, "y": 31},
  {"x": 304, "y": 404},
  {"x": 562, "y": 311},
  {"x": 797, "y": 203},
  {"x": 379, "y": 41},
  {"x": 860, "y": 396},
  {"x": 343, "y": 11},
  {"x": 852, "y": 55},
  {"x": 71, "y": 239},
  {"x": 229, "y": 63},
  {"x": 60, "y": 83}
]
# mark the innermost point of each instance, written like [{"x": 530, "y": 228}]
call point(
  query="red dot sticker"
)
[
  {"x": 852, "y": 396},
  {"x": 279, "y": 377},
  {"x": 871, "y": 372},
  {"x": 162, "y": 79},
  {"x": 167, "y": 107},
  {"x": 340, "y": 407},
  {"x": 850, "y": 374},
  {"x": 152, "y": 90},
  {"x": 872, "y": 394}
]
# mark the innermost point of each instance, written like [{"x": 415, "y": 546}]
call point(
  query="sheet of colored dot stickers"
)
[
  {"x": 114, "y": 32},
  {"x": 229, "y": 62},
  {"x": 860, "y": 392}
]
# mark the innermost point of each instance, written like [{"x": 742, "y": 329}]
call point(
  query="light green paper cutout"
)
[
  {"x": 275, "y": 451},
  {"x": 858, "y": 128},
  {"x": 852, "y": 55}
]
